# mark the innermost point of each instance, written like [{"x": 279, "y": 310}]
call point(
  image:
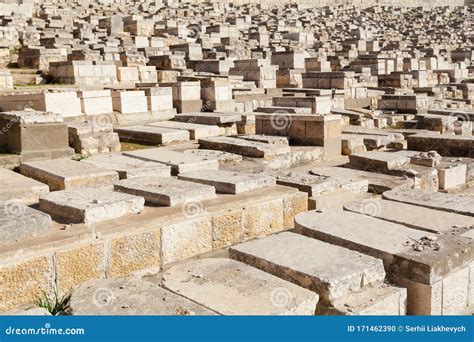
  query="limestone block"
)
[
  {"x": 134, "y": 252},
  {"x": 186, "y": 239},
  {"x": 61, "y": 174},
  {"x": 131, "y": 296},
  {"x": 166, "y": 191},
  {"x": 89, "y": 205},
  {"x": 263, "y": 219},
  {"x": 22, "y": 281},
  {"x": 75, "y": 266},
  {"x": 233, "y": 288}
]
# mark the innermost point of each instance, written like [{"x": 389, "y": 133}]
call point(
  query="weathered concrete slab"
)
[
  {"x": 128, "y": 167},
  {"x": 20, "y": 188},
  {"x": 179, "y": 162},
  {"x": 233, "y": 288},
  {"x": 166, "y": 191},
  {"x": 18, "y": 221},
  {"x": 243, "y": 147},
  {"x": 396, "y": 244},
  {"x": 413, "y": 216},
  {"x": 151, "y": 134},
  {"x": 331, "y": 271},
  {"x": 222, "y": 157},
  {"x": 131, "y": 296},
  {"x": 459, "y": 204},
  {"x": 196, "y": 131},
  {"x": 64, "y": 174},
  {"x": 89, "y": 205},
  {"x": 230, "y": 182}
]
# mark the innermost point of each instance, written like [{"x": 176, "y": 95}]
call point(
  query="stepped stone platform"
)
[
  {"x": 233, "y": 288},
  {"x": 166, "y": 191},
  {"x": 157, "y": 238},
  {"x": 151, "y": 135},
  {"x": 65, "y": 174},
  {"x": 131, "y": 297},
  {"x": 196, "y": 131},
  {"x": 333, "y": 272},
  {"x": 453, "y": 203},
  {"x": 20, "y": 188},
  {"x": 128, "y": 167},
  {"x": 430, "y": 267},
  {"x": 230, "y": 182},
  {"x": 343, "y": 279},
  {"x": 18, "y": 221},
  {"x": 179, "y": 162},
  {"x": 244, "y": 147},
  {"x": 89, "y": 205}
]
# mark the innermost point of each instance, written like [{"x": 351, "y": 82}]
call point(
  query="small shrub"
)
[{"x": 55, "y": 305}]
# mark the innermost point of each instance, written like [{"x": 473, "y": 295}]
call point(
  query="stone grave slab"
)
[
  {"x": 243, "y": 147},
  {"x": 330, "y": 271},
  {"x": 128, "y": 167},
  {"x": 64, "y": 174},
  {"x": 222, "y": 157},
  {"x": 426, "y": 264},
  {"x": 20, "y": 188},
  {"x": 89, "y": 205},
  {"x": 230, "y": 182},
  {"x": 179, "y": 162},
  {"x": 131, "y": 297},
  {"x": 166, "y": 191},
  {"x": 18, "y": 221},
  {"x": 196, "y": 131},
  {"x": 413, "y": 216},
  {"x": 151, "y": 135},
  {"x": 230, "y": 287},
  {"x": 454, "y": 203}
]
